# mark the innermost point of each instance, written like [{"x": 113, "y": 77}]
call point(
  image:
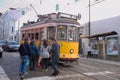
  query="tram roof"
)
[
  {"x": 54, "y": 18},
  {"x": 102, "y": 34}
]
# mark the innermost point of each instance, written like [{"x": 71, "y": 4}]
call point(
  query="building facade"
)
[
  {"x": 104, "y": 47},
  {"x": 9, "y": 28}
]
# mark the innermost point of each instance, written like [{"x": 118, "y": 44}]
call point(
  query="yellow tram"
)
[{"x": 61, "y": 26}]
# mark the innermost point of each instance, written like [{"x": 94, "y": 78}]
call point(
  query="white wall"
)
[
  {"x": 10, "y": 19},
  {"x": 106, "y": 25},
  {"x": 101, "y": 26}
]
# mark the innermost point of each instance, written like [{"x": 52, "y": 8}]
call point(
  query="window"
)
[
  {"x": 23, "y": 35},
  {"x": 32, "y": 36},
  {"x": 36, "y": 35},
  {"x": 62, "y": 32},
  {"x": 23, "y": 12},
  {"x": 51, "y": 32},
  {"x": 81, "y": 30},
  {"x": 12, "y": 43},
  {"x": 71, "y": 33},
  {"x": 12, "y": 29},
  {"x": 29, "y": 35}
]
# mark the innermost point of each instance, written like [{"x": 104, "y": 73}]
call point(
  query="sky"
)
[
  {"x": 6, "y": 4},
  {"x": 105, "y": 9}
]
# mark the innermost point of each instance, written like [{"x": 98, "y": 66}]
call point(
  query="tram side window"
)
[
  {"x": 29, "y": 35},
  {"x": 71, "y": 33},
  {"x": 32, "y": 36},
  {"x": 62, "y": 32},
  {"x": 36, "y": 35},
  {"x": 51, "y": 32},
  {"x": 23, "y": 36}
]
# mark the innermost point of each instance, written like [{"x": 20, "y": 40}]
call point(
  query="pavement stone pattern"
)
[
  {"x": 102, "y": 61},
  {"x": 3, "y": 75},
  {"x": 64, "y": 75},
  {"x": 9, "y": 66}
]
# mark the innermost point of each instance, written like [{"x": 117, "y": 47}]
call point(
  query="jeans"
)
[
  {"x": 55, "y": 64},
  {"x": 89, "y": 54},
  {"x": 23, "y": 64},
  {"x": 33, "y": 62},
  {"x": 45, "y": 63}
]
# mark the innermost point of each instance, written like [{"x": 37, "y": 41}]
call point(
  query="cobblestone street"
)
[
  {"x": 87, "y": 69},
  {"x": 59, "y": 39},
  {"x": 10, "y": 64}
]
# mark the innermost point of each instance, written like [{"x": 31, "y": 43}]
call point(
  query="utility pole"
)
[
  {"x": 89, "y": 25},
  {"x": 89, "y": 5}
]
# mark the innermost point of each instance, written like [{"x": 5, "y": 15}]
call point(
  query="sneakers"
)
[
  {"x": 31, "y": 69},
  {"x": 20, "y": 74},
  {"x": 21, "y": 77},
  {"x": 55, "y": 74},
  {"x": 44, "y": 69}
]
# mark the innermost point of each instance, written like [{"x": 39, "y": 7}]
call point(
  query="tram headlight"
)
[{"x": 71, "y": 51}]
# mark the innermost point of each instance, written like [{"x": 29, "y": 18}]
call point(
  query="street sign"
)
[{"x": 57, "y": 7}]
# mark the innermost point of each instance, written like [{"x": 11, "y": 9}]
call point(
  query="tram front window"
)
[
  {"x": 51, "y": 32},
  {"x": 71, "y": 33},
  {"x": 62, "y": 32}
]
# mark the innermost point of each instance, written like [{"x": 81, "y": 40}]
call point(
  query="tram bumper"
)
[{"x": 69, "y": 57}]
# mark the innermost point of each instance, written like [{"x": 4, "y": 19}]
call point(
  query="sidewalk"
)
[{"x": 101, "y": 61}]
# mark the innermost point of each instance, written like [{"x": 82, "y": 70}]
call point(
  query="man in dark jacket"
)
[
  {"x": 24, "y": 51},
  {"x": 55, "y": 49}
]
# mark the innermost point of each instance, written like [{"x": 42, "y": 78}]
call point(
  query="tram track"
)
[{"x": 73, "y": 74}]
